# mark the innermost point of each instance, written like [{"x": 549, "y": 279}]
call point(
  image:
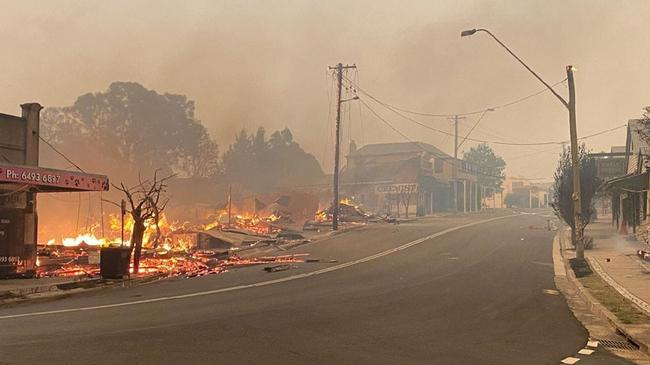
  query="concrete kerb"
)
[
  {"x": 564, "y": 274},
  {"x": 52, "y": 290}
]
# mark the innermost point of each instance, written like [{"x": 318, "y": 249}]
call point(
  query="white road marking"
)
[
  {"x": 586, "y": 352},
  {"x": 593, "y": 344},
  {"x": 551, "y": 291},
  {"x": 262, "y": 283},
  {"x": 570, "y": 360}
]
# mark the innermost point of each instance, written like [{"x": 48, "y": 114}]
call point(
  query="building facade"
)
[
  {"x": 629, "y": 192},
  {"x": 409, "y": 178}
]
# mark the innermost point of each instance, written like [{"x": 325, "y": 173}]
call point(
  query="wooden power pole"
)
[
  {"x": 335, "y": 203},
  {"x": 456, "y": 118},
  {"x": 575, "y": 162}
]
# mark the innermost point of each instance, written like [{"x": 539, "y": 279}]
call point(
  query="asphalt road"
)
[{"x": 473, "y": 294}]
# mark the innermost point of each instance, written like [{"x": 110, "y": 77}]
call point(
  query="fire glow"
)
[{"x": 166, "y": 249}]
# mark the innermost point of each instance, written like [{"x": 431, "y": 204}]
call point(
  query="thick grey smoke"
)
[{"x": 250, "y": 63}]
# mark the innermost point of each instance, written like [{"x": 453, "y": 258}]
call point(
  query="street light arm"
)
[{"x": 564, "y": 102}]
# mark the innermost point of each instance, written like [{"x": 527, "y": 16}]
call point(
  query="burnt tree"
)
[{"x": 147, "y": 202}]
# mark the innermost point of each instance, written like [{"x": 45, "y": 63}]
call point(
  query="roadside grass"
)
[{"x": 622, "y": 308}]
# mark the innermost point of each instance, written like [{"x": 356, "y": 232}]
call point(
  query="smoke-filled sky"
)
[{"x": 252, "y": 63}]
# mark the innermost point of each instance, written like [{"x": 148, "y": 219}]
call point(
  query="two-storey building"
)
[{"x": 413, "y": 177}]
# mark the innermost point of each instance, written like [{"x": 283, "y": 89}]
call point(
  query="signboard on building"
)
[
  {"x": 397, "y": 188},
  {"x": 609, "y": 168},
  {"x": 53, "y": 179}
]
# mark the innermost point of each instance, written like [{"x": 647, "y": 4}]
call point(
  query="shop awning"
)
[
  {"x": 49, "y": 180},
  {"x": 630, "y": 182}
]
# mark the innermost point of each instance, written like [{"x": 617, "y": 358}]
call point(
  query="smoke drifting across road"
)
[{"x": 264, "y": 63}]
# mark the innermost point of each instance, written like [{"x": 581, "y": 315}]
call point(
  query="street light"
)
[{"x": 571, "y": 106}]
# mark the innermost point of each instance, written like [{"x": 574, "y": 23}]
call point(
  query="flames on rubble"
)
[
  {"x": 348, "y": 211},
  {"x": 164, "y": 250}
]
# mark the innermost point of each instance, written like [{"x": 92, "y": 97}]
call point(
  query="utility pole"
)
[
  {"x": 335, "y": 203},
  {"x": 454, "y": 165},
  {"x": 575, "y": 162}
]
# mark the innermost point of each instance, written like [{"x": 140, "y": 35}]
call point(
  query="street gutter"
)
[{"x": 564, "y": 275}]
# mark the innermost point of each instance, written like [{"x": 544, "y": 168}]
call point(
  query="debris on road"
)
[
  {"x": 321, "y": 261},
  {"x": 277, "y": 268}
]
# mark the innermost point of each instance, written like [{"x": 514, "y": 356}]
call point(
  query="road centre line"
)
[{"x": 262, "y": 283}]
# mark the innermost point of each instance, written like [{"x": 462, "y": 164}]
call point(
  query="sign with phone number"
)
[
  {"x": 66, "y": 180},
  {"x": 10, "y": 260}
]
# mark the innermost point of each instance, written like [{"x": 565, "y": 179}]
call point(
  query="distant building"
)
[
  {"x": 629, "y": 192},
  {"x": 413, "y": 176},
  {"x": 527, "y": 194}
]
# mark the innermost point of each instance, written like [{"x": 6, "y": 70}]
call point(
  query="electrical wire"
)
[
  {"x": 418, "y": 143},
  {"x": 496, "y": 142},
  {"x": 363, "y": 138},
  {"x": 472, "y": 129},
  {"x": 61, "y": 153},
  {"x": 492, "y": 108}
]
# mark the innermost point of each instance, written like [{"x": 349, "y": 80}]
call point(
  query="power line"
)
[
  {"x": 472, "y": 129},
  {"x": 417, "y": 143},
  {"x": 492, "y": 108},
  {"x": 488, "y": 141},
  {"x": 478, "y": 172},
  {"x": 61, "y": 153},
  {"x": 452, "y": 135}
]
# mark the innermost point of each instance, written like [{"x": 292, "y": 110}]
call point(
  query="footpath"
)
[{"x": 613, "y": 259}]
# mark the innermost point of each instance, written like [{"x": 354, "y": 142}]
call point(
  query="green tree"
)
[
  {"x": 490, "y": 164},
  {"x": 562, "y": 201},
  {"x": 262, "y": 164}
]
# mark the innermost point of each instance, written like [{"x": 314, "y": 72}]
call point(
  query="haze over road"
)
[{"x": 474, "y": 295}]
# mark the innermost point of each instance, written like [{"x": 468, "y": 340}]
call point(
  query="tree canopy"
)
[
  {"x": 490, "y": 164},
  {"x": 562, "y": 201},
  {"x": 133, "y": 127},
  {"x": 262, "y": 164},
  {"x": 129, "y": 129}
]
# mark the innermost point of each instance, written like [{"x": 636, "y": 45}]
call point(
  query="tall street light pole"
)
[{"x": 575, "y": 161}]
